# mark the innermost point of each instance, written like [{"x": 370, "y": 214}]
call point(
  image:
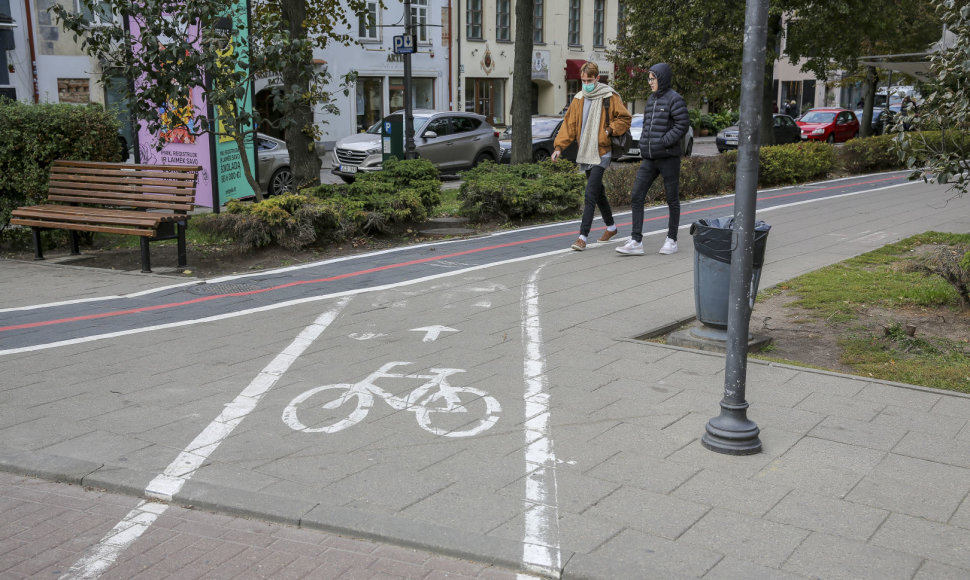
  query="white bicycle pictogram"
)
[{"x": 433, "y": 399}]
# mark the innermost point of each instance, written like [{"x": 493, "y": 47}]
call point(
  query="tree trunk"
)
[
  {"x": 304, "y": 159},
  {"x": 522, "y": 83},
  {"x": 767, "y": 113},
  {"x": 869, "y": 97}
]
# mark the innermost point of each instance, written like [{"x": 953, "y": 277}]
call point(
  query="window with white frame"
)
[
  {"x": 473, "y": 19},
  {"x": 98, "y": 14},
  {"x": 419, "y": 20},
  {"x": 575, "y": 12},
  {"x": 367, "y": 23},
  {"x": 538, "y": 36},
  {"x": 599, "y": 23},
  {"x": 621, "y": 18},
  {"x": 503, "y": 20}
]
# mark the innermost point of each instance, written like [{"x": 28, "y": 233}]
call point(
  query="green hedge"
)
[
  {"x": 791, "y": 163},
  {"x": 402, "y": 194},
  {"x": 33, "y": 136},
  {"x": 544, "y": 189}
]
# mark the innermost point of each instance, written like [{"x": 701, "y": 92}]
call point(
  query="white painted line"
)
[
  {"x": 418, "y": 246},
  {"x": 540, "y": 544},
  {"x": 401, "y": 284},
  {"x": 167, "y": 484},
  {"x": 101, "y": 556},
  {"x": 192, "y": 457}
]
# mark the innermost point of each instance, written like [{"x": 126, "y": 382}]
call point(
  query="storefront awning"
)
[{"x": 572, "y": 67}]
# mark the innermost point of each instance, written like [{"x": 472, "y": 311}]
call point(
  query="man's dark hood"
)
[{"x": 664, "y": 76}]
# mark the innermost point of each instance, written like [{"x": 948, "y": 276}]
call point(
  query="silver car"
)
[
  {"x": 636, "y": 128},
  {"x": 450, "y": 140},
  {"x": 275, "y": 176}
]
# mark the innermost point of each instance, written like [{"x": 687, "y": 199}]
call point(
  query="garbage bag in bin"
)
[{"x": 713, "y": 244}]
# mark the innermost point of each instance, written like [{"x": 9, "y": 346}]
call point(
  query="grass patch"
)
[
  {"x": 935, "y": 362},
  {"x": 878, "y": 278},
  {"x": 450, "y": 204},
  {"x": 893, "y": 279}
]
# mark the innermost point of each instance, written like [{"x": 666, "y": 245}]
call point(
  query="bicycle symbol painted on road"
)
[{"x": 457, "y": 411}]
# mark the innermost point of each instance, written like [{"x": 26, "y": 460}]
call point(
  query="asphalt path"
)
[{"x": 45, "y": 326}]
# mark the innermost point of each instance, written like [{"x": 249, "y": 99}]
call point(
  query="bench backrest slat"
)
[{"x": 170, "y": 187}]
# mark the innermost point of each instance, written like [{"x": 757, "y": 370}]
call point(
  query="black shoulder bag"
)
[{"x": 620, "y": 143}]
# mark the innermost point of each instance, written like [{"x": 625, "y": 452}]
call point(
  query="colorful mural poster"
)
[
  {"x": 230, "y": 176},
  {"x": 183, "y": 141}
]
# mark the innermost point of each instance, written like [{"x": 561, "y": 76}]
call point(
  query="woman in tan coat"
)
[{"x": 586, "y": 122}]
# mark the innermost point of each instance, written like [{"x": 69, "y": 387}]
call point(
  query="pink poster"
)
[{"x": 184, "y": 142}]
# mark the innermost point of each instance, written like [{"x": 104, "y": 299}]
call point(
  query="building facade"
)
[
  {"x": 566, "y": 33},
  {"x": 379, "y": 88}
]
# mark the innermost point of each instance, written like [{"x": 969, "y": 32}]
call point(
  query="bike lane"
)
[
  {"x": 386, "y": 475},
  {"x": 41, "y": 327}
]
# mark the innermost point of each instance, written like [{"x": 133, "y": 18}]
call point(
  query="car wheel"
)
[
  {"x": 540, "y": 155},
  {"x": 483, "y": 156},
  {"x": 831, "y": 138},
  {"x": 281, "y": 182},
  {"x": 690, "y": 148}
]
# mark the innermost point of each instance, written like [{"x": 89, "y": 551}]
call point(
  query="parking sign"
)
[{"x": 403, "y": 44}]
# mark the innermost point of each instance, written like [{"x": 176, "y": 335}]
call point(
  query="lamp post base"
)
[{"x": 731, "y": 432}]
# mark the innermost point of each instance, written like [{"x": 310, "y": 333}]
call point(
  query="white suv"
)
[{"x": 451, "y": 140}]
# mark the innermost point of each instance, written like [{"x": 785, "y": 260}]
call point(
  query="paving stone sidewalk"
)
[{"x": 858, "y": 478}]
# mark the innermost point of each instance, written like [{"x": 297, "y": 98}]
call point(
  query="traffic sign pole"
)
[{"x": 409, "y": 152}]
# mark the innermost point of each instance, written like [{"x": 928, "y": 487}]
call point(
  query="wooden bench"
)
[{"x": 149, "y": 201}]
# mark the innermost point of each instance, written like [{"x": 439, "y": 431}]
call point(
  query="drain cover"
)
[{"x": 222, "y": 288}]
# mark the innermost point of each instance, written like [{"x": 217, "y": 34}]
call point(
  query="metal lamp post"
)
[{"x": 732, "y": 432}]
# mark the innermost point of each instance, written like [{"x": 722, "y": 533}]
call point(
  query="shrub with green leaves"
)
[
  {"x": 291, "y": 220},
  {"x": 521, "y": 191},
  {"x": 791, "y": 163},
  {"x": 703, "y": 176},
  {"x": 33, "y": 136},
  {"x": 869, "y": 154}
]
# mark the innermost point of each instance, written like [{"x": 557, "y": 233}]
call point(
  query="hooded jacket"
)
[{"x": 665, "y": 118}]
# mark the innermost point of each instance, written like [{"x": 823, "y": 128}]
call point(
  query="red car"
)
[{"x": 829, "y": 125}]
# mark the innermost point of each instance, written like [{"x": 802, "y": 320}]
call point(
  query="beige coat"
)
[{"x": 571, "y": 125}]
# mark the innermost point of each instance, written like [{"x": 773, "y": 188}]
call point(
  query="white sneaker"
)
[
  {"x": 669, "y": 247},
  {"x": 631, "y": 248}
]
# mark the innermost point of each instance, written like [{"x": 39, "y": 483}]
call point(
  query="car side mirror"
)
[{"x": 430, "y": 135}]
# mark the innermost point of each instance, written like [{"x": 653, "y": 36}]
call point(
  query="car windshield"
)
[
  {"x": 419, "y": 123},
  {"x": 541, "y": 129},
  {"x": 818, "y": 117},
  {"x": 637, "y": 122}
]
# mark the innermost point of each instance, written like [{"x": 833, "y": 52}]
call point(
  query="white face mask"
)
[{"x": 589, "y": 88}]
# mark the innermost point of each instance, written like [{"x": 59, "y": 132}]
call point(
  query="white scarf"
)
[{"x": 589, "y": 137}]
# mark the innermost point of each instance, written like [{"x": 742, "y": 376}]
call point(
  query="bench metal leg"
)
[
  {"x": 146, "y": 259},
  {"x": 75, "y": 243},
  {"x": 180, "y": 229},
  {"x": 38, "y": 249}
]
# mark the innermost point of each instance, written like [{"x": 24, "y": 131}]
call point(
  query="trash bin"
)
[{"x": 712, "y": 267}]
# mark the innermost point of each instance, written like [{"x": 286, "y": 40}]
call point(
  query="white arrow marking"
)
[{"x": 432, "y": 332}]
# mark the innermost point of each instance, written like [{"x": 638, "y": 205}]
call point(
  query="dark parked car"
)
[
  {"x": 829, "y": 124},
  {"x": 785, "y": 129},
  {"x": 451, "y": 140},
  {"x": 882, "y": 119},
  {"x": 544, "y": 131}
]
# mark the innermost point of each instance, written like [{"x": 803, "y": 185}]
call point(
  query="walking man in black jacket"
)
[{"x": 665, "y": 122}]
